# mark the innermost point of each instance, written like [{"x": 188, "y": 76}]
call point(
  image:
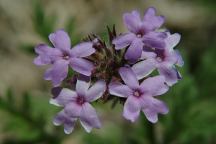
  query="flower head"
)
[
  {"x": 142, "y": 32},
  {"x": 126, "y": 73},
  {"x": 77, "y": 105},
  {"x": 62, "y": 56},
  {"x": 140, "y": 96}
]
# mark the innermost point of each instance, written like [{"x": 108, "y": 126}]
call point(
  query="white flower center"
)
[
  {"x": 137, "y": 93},
  {"x": 139, "y": 35},
  {"x": 159, "y": 59}
]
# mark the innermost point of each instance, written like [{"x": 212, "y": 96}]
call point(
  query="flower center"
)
[
  {"x": 160, "y": 55},
  {"x": 80, "y": 100},
  {"x": 66, "y": 56},
  {"x": 137, "y": 93},
  {"x": 139, "y": 35},
  {"x": 159, "y": 59}
]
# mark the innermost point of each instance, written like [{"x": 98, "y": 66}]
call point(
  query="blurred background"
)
[{"x": 25, "y": 112}]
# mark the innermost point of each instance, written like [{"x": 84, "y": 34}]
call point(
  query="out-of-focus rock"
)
[
  {"x": 179, "y": 14},
  {"x": 19, "y": 73}
]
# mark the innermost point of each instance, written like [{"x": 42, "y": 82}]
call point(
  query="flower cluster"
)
[{"x": 119, "y": 70}]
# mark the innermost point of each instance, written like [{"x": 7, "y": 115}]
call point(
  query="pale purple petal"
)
[
  {"x": 152, "y": 107},
  {"x": 171, "y": 58},
  {"x": 155, "y": 40},
  {"x": 59, "y": 118},
  {"x": 57, "y": 73},
  {"x": 89, "y": 118},
  {"x": 154, "y": 86},
  {"x": 129, "y": 77},
  {"x": 83, "y": 49},
  {"x": 152, "y": 21},
  {"x": 151, "y": 115},
  {"x": 123, "y": 40},
  {"x": 82, "y": 66},
  {"x": 120, "y": 90},
  {"x": 144, "y": 68},
  {"x": 132, "y": 21},
  {"x": 170, "y": 74},
  {"x": 73, "y": 109},
  {"x": 46, "y": 54},
  {"x": 82, "y": 87},
  {"x": 40, "y": 61},
  {"x": 134, "y": 51},
  {"x": 172, "y": 40},
  {"x": 132, "y": 108},
  {"x": 96, "y": 91},
  {"x": 61, "y": 40},
  {"x": 62, "y": 118},
  {"x": 69, "y": 126},
  {"x": 147, "y": 55},
  {"x": 65, "y": 97},
  {"x": 180, "y": 61}
]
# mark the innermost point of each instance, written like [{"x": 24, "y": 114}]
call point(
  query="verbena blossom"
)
[
  {"x": 62, "y": 55},
  {"x": 118, "y": 71},
  {"x": 164, "y": 60},
  {"x": 140, "y": 96},
  {"x": 142, "y": 32},
  {"x": 77, "y": 105}
]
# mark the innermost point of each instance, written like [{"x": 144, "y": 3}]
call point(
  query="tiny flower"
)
[
  {"x": 141, "y": 33},
  {"x": 140, "y": 96},
  {"x": 164, "y": 60},
  {"x": 77, "y": 105},
  {"x": 62, "y": 55}
]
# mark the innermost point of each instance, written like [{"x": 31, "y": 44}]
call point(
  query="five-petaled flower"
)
[
  {"x": 162, "y": 59},
  {"x": 62, "y": 55},
  {"x": 140, "y": 96},
  {"x": 77, "y": 105},
  {"x": 142, "y": 33}
]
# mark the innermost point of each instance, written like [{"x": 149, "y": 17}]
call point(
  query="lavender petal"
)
[
  {"x": 82, "y": 66},
  {"x": 154, "y": 86},
  {"x": 151, "y": 107},
  {"x": 89, "y": 118},
  {"x": 61, "y": 40},
  {"x": 83, "y": 49},
  {"x": 46, "y": 55},
  {"x": 170, "y": 74},
  {"x": 144, "y": 68},
  {"x": 123, "y": 40},
  {"x": 132, "y": 21},
  {"x": 152, "y": 21},
  {"x": 57, "y": 73},
  {"x": 62, "y": 118},
  {"x": 64, "y": 97},
  {"x": 82, "y": 87},
  {"x": 129, "y": 77},
  {"x": 131, "y": 108},
  {"x": 96, "y": 91},
  {"x": 134, "y": 51},
  {"x": 120, "y": 90}
]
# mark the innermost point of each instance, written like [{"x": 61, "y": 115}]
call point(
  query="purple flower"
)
[
  {"x": 162, "y": 59},
  {"x": 142, "y": 33},
  {"x": 77, "y": 105},
  {"x": 140, "y": 96},
  {"x": 62, "y": 55}
]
